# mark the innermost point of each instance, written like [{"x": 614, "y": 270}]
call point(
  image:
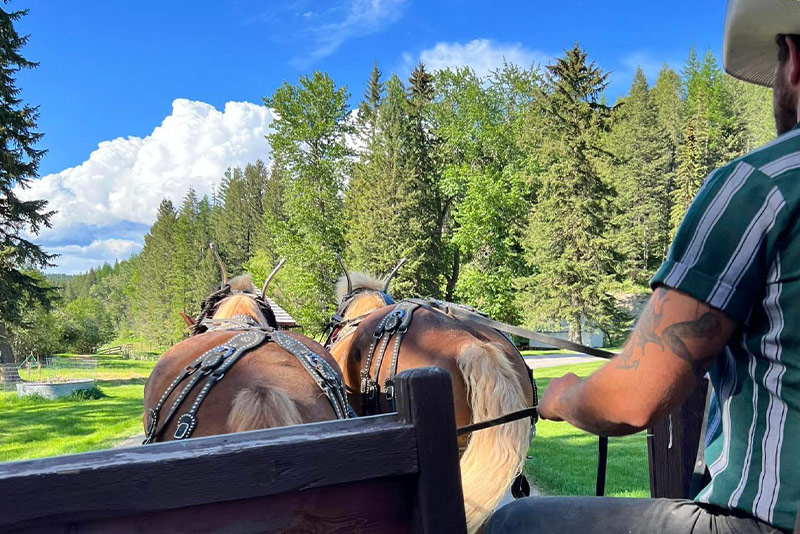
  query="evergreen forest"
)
[{"x": 525, "y": 193}]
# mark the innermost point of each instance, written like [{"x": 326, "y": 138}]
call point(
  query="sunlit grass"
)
[
  {"x": 564, "y": 459},
  {"x": 33, "y": 427}
]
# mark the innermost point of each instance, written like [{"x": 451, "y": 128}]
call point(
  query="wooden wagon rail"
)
[{"x": 389, "y": 474}]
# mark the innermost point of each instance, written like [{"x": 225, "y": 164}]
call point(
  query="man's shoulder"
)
[{"x": 778, "y": 157}]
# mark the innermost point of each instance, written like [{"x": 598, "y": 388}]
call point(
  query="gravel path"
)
[
  {"x": 551, "y": 360},
  {"x": 135, "y": 441}
]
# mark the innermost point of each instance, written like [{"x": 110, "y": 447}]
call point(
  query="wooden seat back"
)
[{"x": 386, "y": 474}]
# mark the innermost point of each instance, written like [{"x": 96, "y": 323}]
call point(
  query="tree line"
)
[{"x": 524, "y": 193}]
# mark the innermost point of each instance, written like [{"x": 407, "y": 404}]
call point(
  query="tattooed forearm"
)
[
  {"x": 707, "y": 326},
  {"x": 644, "y": 333},
  {"x": 674, "y": 338}
]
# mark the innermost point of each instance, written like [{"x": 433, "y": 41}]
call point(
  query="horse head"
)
[
  {"x": 236, "y": 297},
  {"x": 358, "y": 293}
]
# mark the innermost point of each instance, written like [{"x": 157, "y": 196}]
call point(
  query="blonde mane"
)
[
  {"x": 365, "y": 302},
  {"x": 240, "y": 304}
]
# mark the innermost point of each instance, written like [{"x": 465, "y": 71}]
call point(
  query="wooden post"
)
[
  {"x": 672, "y": 445},
  {"x": 425, "y": 399}
]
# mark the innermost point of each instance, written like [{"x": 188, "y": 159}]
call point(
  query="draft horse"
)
[
  {"x": 490, "y": 378},
  {"x": 279, "y": 378}
]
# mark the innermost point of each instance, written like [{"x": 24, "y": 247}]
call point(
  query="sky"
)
[{"x": 140, "y": 100}]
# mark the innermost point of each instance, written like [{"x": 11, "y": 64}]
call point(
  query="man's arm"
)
[{"x": 674, "y": 343}]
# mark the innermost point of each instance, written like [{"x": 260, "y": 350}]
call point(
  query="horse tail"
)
[
  {"x": 262, "y": 406},
  {"x": 496, "y": 455}
]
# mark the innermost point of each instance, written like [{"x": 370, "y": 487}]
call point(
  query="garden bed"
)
[{"x": 54, "y": 390}]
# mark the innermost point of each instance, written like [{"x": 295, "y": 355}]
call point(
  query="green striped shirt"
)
[{"x": 738, "y": 250}]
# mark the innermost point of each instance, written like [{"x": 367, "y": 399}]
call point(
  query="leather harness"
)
[
  {"x": 395, "y": 324},
  {"x": 215, "y": 362}
]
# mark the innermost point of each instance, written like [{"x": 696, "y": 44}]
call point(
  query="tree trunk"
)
[
  {"x": 453, "y": 280},
  {"x": 575, "y": 329},
  {"x": 8, "y": 366}
]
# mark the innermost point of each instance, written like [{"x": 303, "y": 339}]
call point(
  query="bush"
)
[{"x": 94, "y": 393}]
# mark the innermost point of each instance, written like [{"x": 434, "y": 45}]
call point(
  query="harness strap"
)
[
  {"x": 321, "y": 372},
  {"x": 395, "y": 323},
  {"x": 215, "y": 366},
  {"x": 153, "y": 413},
  {"x": 507, "y": 418},
  {"x": 466, "y": 313},
  {"x": 221, "y": 357},
  {"x": 368, "y": 385},
  {"x": 401, "y": 332}
]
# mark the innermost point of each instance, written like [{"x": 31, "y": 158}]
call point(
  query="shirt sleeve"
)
[{"x": 724, "y": 248}]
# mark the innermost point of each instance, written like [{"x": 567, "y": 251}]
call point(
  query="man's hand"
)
[
  {"x": 548, "y": 404},
  {"x": 676, "y": 339}
]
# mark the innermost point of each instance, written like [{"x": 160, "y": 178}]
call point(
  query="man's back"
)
[{"x": 739, "y": 251}]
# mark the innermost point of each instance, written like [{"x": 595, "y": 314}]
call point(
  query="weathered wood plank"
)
[
  {"x": 425, "y": 399},
  {"x": 205, "y": 470},
  {"x": 672, "y": 447},
  {"x": 380, "y": 506},
  {"x": 391, "y": 474}
]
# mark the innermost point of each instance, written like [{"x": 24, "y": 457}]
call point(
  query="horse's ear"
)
[
  {"x": 186, "y": 319},
  {"x": 391, "y": 275},
  {"x": 346, "y": 274},
  {"x": 270, "y": 277},
  {"x": 222, "y": 270}
]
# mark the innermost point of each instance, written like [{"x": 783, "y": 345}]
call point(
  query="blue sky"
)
[{"x": 140, "y": 79}]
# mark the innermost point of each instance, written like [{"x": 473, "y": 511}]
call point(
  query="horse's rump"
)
[
  {"x": 265, "y": 378},
  {"x": 489, "y": 379}
]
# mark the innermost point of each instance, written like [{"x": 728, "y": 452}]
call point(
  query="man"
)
[{"x": 726, "y": 301}]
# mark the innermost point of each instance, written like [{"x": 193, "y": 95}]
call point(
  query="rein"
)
[
  {"x": 466, "y": 314},
  {"x": 497, "y": 421}
]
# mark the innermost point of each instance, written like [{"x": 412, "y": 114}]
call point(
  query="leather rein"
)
[{"x": 465, "y": 313}]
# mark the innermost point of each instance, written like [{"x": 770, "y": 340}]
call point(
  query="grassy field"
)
[
  {"x": 564, "y": 459},
  {"x": 33, "y": 427}
]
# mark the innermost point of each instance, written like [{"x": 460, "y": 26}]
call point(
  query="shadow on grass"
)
[{"x": 567, "y": 464}]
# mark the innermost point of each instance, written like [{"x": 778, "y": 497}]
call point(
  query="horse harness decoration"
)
[
  {"x": 394, "y": 324},
  {"x": 215, "y": 362}
]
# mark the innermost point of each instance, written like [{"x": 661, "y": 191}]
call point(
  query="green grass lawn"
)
[
  {"x": 564, "y": 459},
  {"x": 33, "y": 427}
]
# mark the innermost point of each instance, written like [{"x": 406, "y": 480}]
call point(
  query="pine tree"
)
[
  {"x": 643, "y": 160},
  {"x": 368, "y": 109},
  {"x": 432, "y": 211},
  {"x": 154, "y": 307},
  {"x": 713, "y": 132},
  {"x": 19, "y": 286},
  {"x": 670, "y": 109},
  {"x": 309, "y": 141},
  {"x": 753, "y": 106},
  {"x": 383, "y": 200},
  {"x": 566, "y": 242}
]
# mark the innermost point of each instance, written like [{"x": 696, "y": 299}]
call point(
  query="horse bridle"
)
[
  {"x": 210, "y": 305},
  {"x": 338, "y": 323},
  {"x": 215, "y": 362}
]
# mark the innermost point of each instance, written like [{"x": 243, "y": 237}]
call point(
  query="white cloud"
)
[
  {"x": 482, "y": 55},
  {"x": 357, "y": 18},
  {"x": 75, "y": 258},
  {"x": 104, "y": 203}
]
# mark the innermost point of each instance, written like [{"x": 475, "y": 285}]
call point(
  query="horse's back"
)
[
  {"x": 265, "y": 369},
  {"x": 432, "y": 339}
]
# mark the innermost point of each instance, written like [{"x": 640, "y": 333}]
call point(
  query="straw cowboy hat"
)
[{"x": 749, "y": 51}]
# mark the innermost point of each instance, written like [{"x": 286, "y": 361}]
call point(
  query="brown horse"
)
[
  {"x": 490, "y": 379},
  {"x": 266, "y": 387}
]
